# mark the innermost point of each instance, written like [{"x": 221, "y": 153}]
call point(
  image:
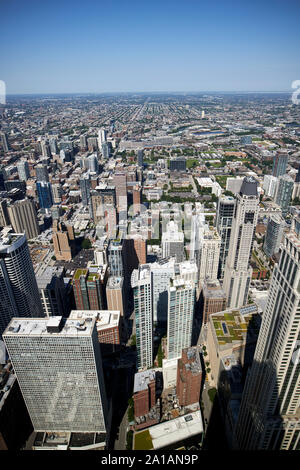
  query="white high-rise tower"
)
[
  {"x": 238, "y": 272},
  {"x": 143, "y": 309}
]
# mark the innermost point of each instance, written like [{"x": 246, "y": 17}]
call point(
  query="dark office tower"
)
[
  {"x": 2, "y": 178},
  {"x": 189, "y": 377},
  {"x": 274, "y": 234},
  {"x": 53, "y": 294},
  {"x": 238, "y": 272},
  {"x": 140, "y": 158},
  {"x": 19, "y": 295},
  {"x": 23, "y": 218},
  {"x": 224, "y": 218},
  {"x": 280, "y": 162},
  {"x": 177, "y": 164},
  {"x": 83, "y": 142},
  {"x": 44, "y": 192},
  {"x": 53, "y": 146},
  {"x": 4, "y": 142},
  {"x": 269, "y": 413},
  {"x": 85, "y": 188},
  {"x": 297, "y": 180},
  {"x": 106, "y": 149},
  {"x": 284, "y": 193},
  {"x": 115, "y": 254},
  {"x": 41, "y": 173},
  {"x": 23, "y": 170}
]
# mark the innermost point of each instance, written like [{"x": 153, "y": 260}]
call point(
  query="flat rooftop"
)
[
  {"x": 169, "y": 432},
  {"x": 104, "y": 318},
  {"x": 114, "y": 282},
  {"x": 75, "y": 326},
  {"x": 142, "y": 379},
  {"x": 232, "y": 326}
]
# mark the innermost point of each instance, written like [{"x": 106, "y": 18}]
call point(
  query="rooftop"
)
[
  {"x": 80, "y": 272},
  {"x": 169, "y": 432},
  {"x": 232, "y": 326},
  {"x": 74, "y": 326},
  {"x": 142, "y": 379},
  {"x": 104, "y": 318}
]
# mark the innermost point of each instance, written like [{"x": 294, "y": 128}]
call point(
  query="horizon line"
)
[{"x": 145, "y": 92}]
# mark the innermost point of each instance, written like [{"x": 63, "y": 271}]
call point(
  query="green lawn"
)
[{"x": 143, "y": 441}]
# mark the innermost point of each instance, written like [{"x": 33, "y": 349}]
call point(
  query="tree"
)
[
  {"x": 86, "y": 244},
  {"x": 130, "y": 410}
]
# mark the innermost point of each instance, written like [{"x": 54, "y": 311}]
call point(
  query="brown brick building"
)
[
  {"x": 189, "y": 377},
  {"x": 213, "y": 299},
  {"x": 144, "y": 393}
]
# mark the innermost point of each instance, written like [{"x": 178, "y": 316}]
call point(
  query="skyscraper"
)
[
  {"x": 238, "y": 273},
  {"x": 140, "y": 158},
  {"x": 269, "y": 185},
  {"x": 85, "y": 188},
  {"x": 142, "y": 293},
  {"x": 52, "y": 290},
  {"x": 173, "y": 242},
  {"x": 115, "y": 295},
  {"x": 161, "y": 273},
  {"x": 23, "y": 218},
  {"x": 23, "y": 170},
  {"x": 269, "y": 412},
  {"x": 60, "y": 376},
  {"x": 274, "y": 234},
  {"x": 92, "y": 164},
  {"x": 102, "y": 133},
  {"x": 106, "y": 149},
  {"x": 44, "y": 192},
  {"x": 102, "y": 198},
  {"x": 88, "y": 290},
  {"x": 19, "y": 295},
  {"x": 280, "y": 162},
  {"x": 53, "y": 146},
  {"x": 41, "y": 172},
  {"x": 284, "y": 193},
  {"x": 224, "y": 218},
  {"x": 45, "y": 149},
  {"x": 115, "y": 254},
  {"x": 209, "y": 255},
  {"x": 4, "y": 141},
  {"x": 181, "y": 303},
  {"x": 120, "y": 182}
]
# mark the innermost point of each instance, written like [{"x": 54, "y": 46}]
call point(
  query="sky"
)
[{"x": 147, "y": 46}]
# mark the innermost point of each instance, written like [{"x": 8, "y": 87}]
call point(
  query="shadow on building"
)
[{"x": 241, "y": 401}]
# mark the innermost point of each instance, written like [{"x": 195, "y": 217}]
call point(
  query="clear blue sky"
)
[{"x": 110, "y": 46}]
